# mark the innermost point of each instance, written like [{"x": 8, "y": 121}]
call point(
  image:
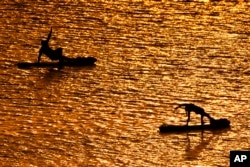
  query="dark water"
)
[{"x": 152, "y": 55}]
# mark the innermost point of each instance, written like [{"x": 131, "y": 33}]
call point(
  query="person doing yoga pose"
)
[
  {"x": 189, "y": 107},
  {"x": 50, "y": 53}
]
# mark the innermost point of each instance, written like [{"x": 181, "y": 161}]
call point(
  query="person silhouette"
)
[
  {"x": 189, "y": 107},
  {"x": 50, "y": 53}
]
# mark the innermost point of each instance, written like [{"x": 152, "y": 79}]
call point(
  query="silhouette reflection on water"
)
[{"x": 194, "y": 148}]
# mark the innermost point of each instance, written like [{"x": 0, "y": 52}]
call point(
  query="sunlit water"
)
[{"x": 152, "y": 55}]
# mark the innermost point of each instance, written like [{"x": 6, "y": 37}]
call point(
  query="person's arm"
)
[
  {"x": 179, "y": 106},
  {"x": 39, "y": 56},
  {"x": 50, "y": 33}
]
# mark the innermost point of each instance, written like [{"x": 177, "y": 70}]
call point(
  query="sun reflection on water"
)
[{"x": 152, "y": 55}]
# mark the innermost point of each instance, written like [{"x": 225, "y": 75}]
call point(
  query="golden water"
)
[{"x": 152, "y": 55}]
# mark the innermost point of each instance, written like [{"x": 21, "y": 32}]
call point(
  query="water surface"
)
[{"x": 152, "y": 55}]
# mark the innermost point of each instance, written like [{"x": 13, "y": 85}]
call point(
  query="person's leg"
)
[
  {"x": 202, "y": 122},
  {"x": 188, "y": 115}
]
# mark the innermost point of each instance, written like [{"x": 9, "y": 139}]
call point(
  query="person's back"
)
[
  {"x": 189, "y": 107},
  {"x": 198, "y": 110}
]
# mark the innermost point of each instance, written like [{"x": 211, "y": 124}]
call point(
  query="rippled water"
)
[{"x": 152, "y": 55}]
